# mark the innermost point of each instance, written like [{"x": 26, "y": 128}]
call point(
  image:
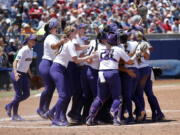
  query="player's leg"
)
[
  {"x": 76, "y": 91},
  {"x": 144, "y": 73},
  {"x": 47, "y": 94},
  {"x": 59, "y": 74},
  {"x": 127, "y": 88},
  {"x": 116, "y": 92},
  {"x": 102, "y": 94},
  {"x": 22, "y": 92},
  {"x": 157, "y": 114},
  {"x": 25, "y": 93},
  {"x": 87, "y": 92}
]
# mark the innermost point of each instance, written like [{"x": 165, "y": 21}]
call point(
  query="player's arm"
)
[
  {"x": 16, "y": 74},
  {"x": 60, "y": 43},
  {"x": 75, "y": 58},
  {"x": 128, "y": 71},
  {"x": 126, "y": 58},
  {"x": 146, "y": 55},
  {"x": 85, "y": 58},
  {"x": 81, "y": 47}
]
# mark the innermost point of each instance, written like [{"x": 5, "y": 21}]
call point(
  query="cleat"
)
[
  {"x": 90, "y": 122},
  {"x": 8, "y": 111},
  {"x": 73, "y": 121},
  {"x": 40, "y": 113},
  {"x": 141, "y": 117},
  {"x": 130, "y": 120},
  {"x": 99, "y": 122},
  {"x": 116, "y": 122},
  {"x": 161, "y": 117},
  {"x": 17, "y": 118},
  {"x": 59, "y": 123},
  {"x": 154, "y": 118},
  {"x": 144, "y": 119},
  {"x": 49, "y": 115}
]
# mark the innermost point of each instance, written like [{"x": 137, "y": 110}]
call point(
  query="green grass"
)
[{"x": 5, "y": 94}]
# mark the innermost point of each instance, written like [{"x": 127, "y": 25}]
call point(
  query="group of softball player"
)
[{"x": 102, "y": 78}]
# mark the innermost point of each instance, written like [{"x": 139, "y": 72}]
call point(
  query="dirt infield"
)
[{"x": 167, "y": 92}]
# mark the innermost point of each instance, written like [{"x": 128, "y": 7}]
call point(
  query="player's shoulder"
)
[
  {"x": 25, "y": 48},
  {"x": 132, "y": 43},
  {"x": 117, "y": 48},
  {"x": 51, "y": 37},
  {"x": 92, "y": 43},
  {"x": 69, "y": 43},
  {"x": 146, "y": 43}
]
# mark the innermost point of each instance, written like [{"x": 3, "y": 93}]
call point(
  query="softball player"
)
[
  {"x": 109, "y": 82},
  {"x": 59, "y": 74},
  {"x": 145, "y": 83},
  {"x": 130, "y": 80},
  {"x": 20, "y": 78},
  {"x": 89, "y": 75},
  {"x": 51, "y": 45},
  {"x": 74, "y": 75}
]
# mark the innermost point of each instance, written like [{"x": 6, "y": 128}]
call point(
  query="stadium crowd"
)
[{"x": 19, "y": 18}]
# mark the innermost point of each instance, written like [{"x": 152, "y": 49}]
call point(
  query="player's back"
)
[{"x": 110, "y": 57}]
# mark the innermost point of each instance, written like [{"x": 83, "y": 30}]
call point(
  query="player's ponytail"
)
[{"x": 47, "y": 30}]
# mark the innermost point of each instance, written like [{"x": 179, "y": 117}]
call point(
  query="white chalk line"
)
[
  {"x": 166, "y": 86},
  {"x": 36, "y": 116},
  {"x": 83, "y": 126},
  {"x": 166, "y": 111},
  {"x": 27, "y": 116},
  {"x": 99, "y": 126}
]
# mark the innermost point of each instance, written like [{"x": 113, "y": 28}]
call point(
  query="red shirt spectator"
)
[
  {"x": 35, "y": 12},
  {"x": 167, "y": 26}
]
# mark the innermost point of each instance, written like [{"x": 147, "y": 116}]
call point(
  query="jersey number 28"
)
[{"x": 107, "y": 54}]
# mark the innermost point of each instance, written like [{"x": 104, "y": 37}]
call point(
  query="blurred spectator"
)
[
  {"x": 35, "y": 12},
  {"x": 96, "y": 13},
  {"x": 27, "y": 29},
  {"x": 4, "y": 64},
  {"x": 167, "y": 26},
  {"x": 176, "y": 26},
  {"x": 11, "y": 50}
]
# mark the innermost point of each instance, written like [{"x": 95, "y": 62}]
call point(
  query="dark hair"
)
[
  {"x": 47, "y": 30},
  {"x": 101, "y": 35},
  {"x": 123, "y": 38}
]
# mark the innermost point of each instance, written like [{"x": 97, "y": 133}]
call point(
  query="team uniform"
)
[
  {"x": 129, "y": 83},
  {"x": 109, "y": 82},
  {"x": 21, "y": 86},
  {"x": 89, "y": 78},
  {"x": 59, "y": 74},
  {"x": 74, "y": 72},
  {"x": 44, "y": 69},
  {"x": 145, "y": 85}
]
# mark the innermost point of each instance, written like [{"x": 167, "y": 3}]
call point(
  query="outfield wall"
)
[{"x": 166, "y": 53}]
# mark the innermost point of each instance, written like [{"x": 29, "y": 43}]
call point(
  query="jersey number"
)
[{"x": 107, "y": 54}]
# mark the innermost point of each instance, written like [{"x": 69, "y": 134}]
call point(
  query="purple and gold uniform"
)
[
  {"x": 21, "y": 84},
  {"x": 109, "y": 82},
  {"x": 145, "y": 85},
  {"x": 129, "y": 83}
]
